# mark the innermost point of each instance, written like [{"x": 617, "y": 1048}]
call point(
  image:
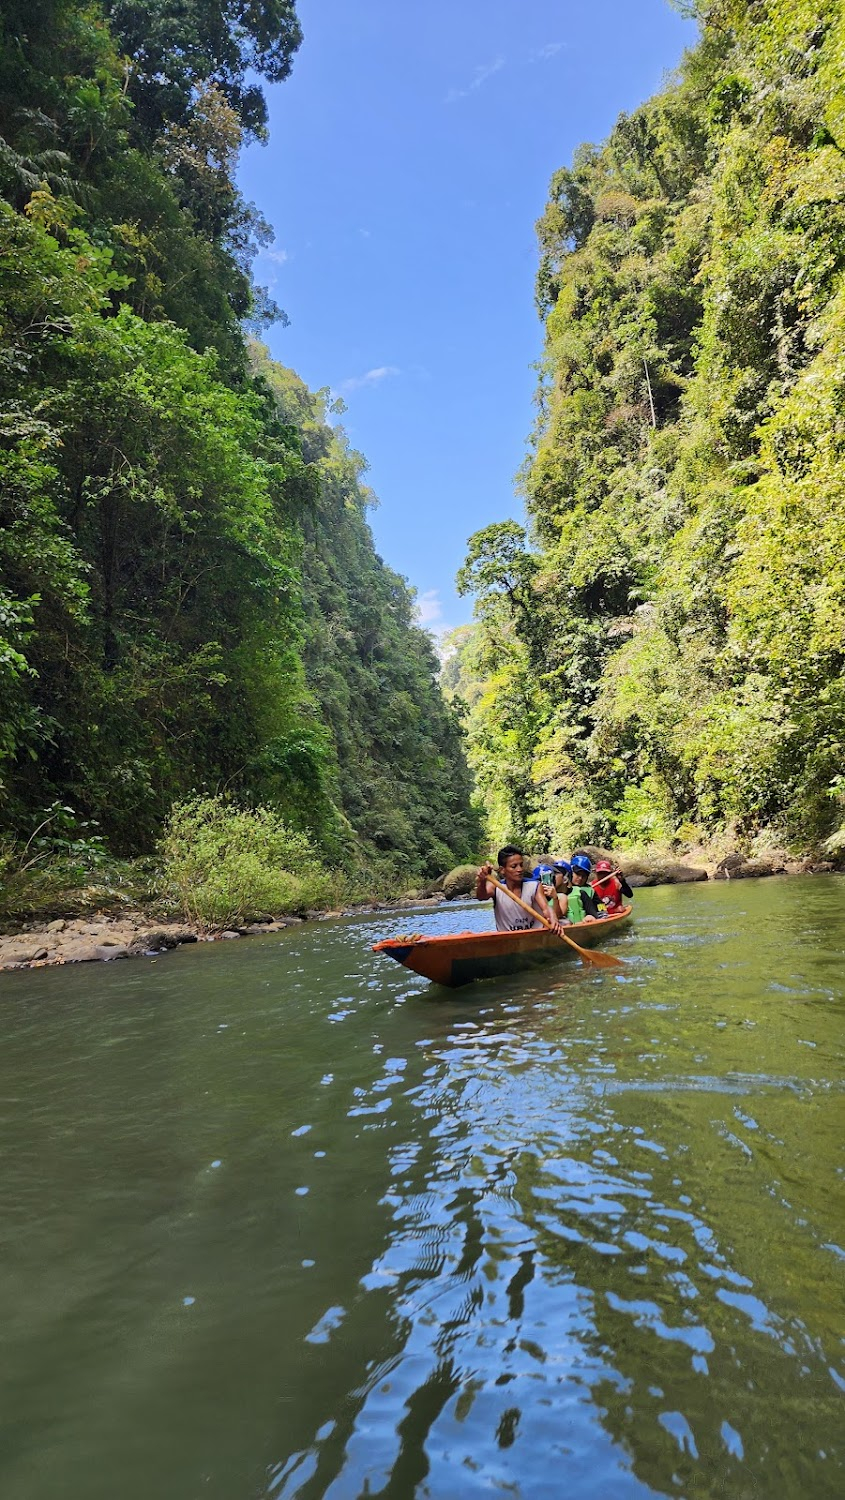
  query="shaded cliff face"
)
[{"x": 663, "y": 648}]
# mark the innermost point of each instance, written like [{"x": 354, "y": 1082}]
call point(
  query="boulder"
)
[
  {"x": 734, "y": 867},
  {"x": 14, "y": 956},
  {"x": 107, "y": 951},
  {"x": 595, "y": 853},
  {"x": 157, "y": 938},
  {"x": 230, "y": 934},
  {"x": 460, "y": 881},
  {"x": 640, "y": 872},
  {"x": 58, "y": 926}
]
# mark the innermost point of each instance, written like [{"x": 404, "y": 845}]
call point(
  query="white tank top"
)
[{"x": 509, "y": 916}]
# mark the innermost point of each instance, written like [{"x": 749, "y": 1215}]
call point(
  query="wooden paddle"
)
[{"x": 602, "y": 960}]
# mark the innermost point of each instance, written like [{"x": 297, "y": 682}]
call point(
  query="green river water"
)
[{"x": 277, "y": 1223}]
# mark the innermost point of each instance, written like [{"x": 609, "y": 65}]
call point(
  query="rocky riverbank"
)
[{"x": 103, "y": 937}]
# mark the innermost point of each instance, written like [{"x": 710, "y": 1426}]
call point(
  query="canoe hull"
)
[{"x": 461, "y": 958}]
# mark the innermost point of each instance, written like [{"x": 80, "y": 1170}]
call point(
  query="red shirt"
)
[{"x": 609, "y": 890}]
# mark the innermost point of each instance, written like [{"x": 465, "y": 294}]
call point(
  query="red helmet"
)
[{"x": 603, "y": 867}]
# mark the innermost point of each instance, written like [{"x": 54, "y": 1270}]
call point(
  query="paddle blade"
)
[{"x": 589, "y": 956}]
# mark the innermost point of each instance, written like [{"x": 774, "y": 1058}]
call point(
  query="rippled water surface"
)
[{"x": 276, "y": 1223}]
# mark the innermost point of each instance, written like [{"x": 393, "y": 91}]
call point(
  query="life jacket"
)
[{"x": 583, "y": 902}]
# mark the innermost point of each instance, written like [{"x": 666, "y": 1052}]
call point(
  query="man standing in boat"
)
[{"x": 509, "y": 916}]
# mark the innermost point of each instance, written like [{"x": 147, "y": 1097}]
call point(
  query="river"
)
[{"x": 275, "y": 1223}]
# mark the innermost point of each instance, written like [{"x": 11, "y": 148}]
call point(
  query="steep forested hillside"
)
[
  {"x": 189, "y": 596},
  {"x": 398, "y": 769},
  {"x": 663, "y": 650}
]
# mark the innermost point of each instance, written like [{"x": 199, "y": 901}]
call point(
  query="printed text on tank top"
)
[{"x": 509, "y": 916}]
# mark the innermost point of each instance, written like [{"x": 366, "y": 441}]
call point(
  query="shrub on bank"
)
[
  {"x": 64, "y": 868},
  {"x": 224, "y": 864}
]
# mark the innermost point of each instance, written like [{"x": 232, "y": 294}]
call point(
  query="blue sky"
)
[{"x": 409, "y": 157}]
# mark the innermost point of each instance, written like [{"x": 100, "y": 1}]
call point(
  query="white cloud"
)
[
  {"x": 372, "y": 377},
  {"x": 428, "y": 613},
  {"x": 479, "y": 77},
  {"x": 278, "y": 257},
  {"x": 429, "y": 610},
  {"x": 543, "y": 54}
]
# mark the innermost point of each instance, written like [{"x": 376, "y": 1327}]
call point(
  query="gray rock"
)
[
  {"x": 641, "y": 872},
  {"x": 460, "y": 881},
  {"x": 734, "y": 867},
  {"x": 158, "y": 937},
  {"x": 108, "y": 951},
  {"x": 39, "y": 954},
  {"x": 595, "y": 851},
  {"x": 16, "y": 956},
  {"x": 58, "y": 926},
  {"x": 230, "y": 934}
]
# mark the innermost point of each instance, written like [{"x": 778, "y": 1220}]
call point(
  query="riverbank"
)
[{"x": 105, "y": 935}]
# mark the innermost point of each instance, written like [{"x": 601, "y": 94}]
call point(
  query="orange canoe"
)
[{"x": 461, "y": 957}]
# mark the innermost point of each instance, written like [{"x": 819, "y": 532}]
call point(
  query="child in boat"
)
[
  {"x": 559, "y": 898},
  {"x": 610, "y": 886},
  {"x": 584, "y": 904},
  {"x": 509, "y": 916},
  {"x": 552, "y": 882}
]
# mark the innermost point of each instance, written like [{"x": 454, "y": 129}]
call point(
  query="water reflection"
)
[{"x": 279, "y": 1225}]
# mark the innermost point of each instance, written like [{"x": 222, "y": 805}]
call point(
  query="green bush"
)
[
  {"x": 64, "y": 868},
  {"x": 223, "y": 864}
]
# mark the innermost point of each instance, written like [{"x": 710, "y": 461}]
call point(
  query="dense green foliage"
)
[
  {"x": 190, "y": 601},
  {"x": 661, "y": 654},
  {"x": 398, "y": 771},
  {"x": 223, "y": 864}
]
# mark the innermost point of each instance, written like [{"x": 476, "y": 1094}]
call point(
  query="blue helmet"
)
[
  {"x": 581, "y": 862},
  {"x": 562, "y": 867},
  {"x": 540, "y": 870}
]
